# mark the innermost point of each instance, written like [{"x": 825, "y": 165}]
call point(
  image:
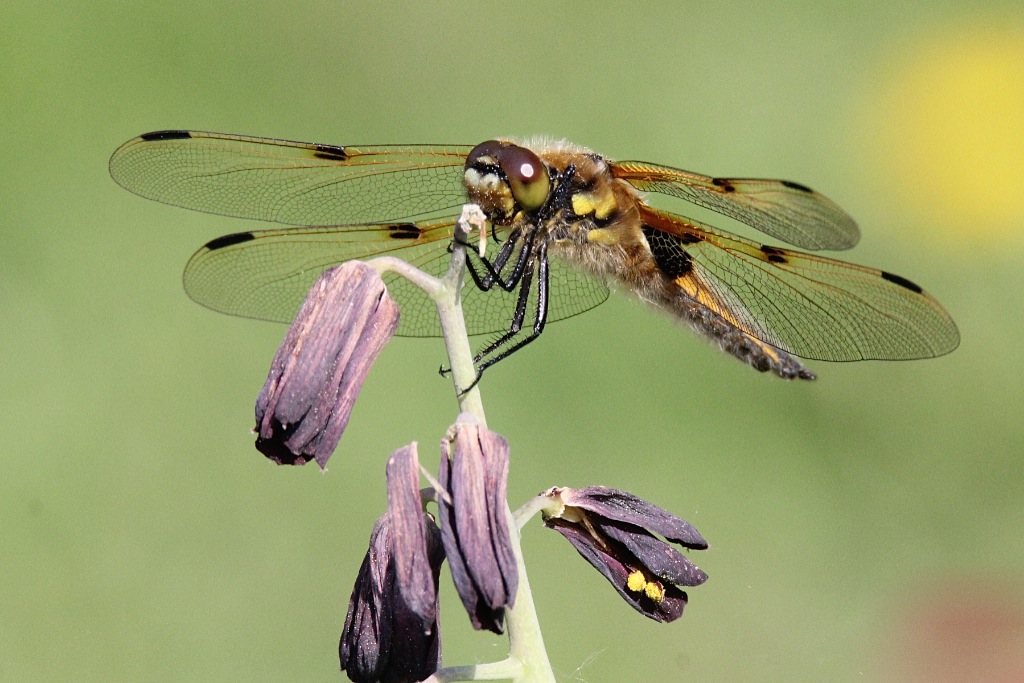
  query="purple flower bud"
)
[
  {"x": 614, "y": 531},
  {"x": 317, "y": 373},
  {"x": 391, "y": 632},
  {"x": 474, "y": 522}
]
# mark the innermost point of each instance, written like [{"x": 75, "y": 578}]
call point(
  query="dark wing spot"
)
[
  {"x": 796, "y": 186},
  {"x": 404, "y": 231},
  {"x": 332, "y": 152},
  {"x": 228, "y": 240},
  {"x": 724, "y": 184},
  {"x": 166, "y": 135},
  {"x": 773, "y": 254},
  {"x": 902, "y": 282},
  {"x": 668, "y": 252}
]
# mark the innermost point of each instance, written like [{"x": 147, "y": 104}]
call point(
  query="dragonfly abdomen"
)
[{"x": 734, "y": 341}]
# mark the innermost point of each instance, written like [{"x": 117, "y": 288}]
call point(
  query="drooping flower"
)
[
  {"x": 320, "y": 367},
  {"x": 615, "y": 532},
  {"x": 417, "y": 545},
  {"x": 391, "y": 632},
  {"x": 474, "y": 524}
]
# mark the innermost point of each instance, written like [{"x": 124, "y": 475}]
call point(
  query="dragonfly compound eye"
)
[
  {"x": 484, "y": 157},
  {"x": 527, "y": 176}
]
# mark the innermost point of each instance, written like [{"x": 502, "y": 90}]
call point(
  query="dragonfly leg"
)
[
  {"x": 525, "y": 284},
  {"x": 541, "y": 315},
  {"x": 493, "y": 270},
  {"x": 519, "y": 316}
]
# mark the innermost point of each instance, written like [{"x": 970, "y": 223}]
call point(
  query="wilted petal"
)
[
  {"x": 415, "y": 649},
  {"x": 623, "y": 506},
  {"x": 474, "y": 525},
  {"x": 660, "y": 559},
  {"x": 658, "y": 600},
  {"x": 383, "y": 639},
  {"x": 320, "y": 367},
  {"x": 366, "y": 636},
  {"x": 612, "y": 530},
  {"x": 416, "y": 578}
]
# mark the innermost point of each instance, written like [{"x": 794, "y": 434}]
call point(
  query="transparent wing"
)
[
  {"x": 785, "y": 210},
  {"x": 266, "y": 274},
  {"x": 808, "y": 305},
  {"x": 295, "y": 183}
]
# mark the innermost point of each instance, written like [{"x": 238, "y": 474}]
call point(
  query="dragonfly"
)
[{"x": 567, "y": 224}]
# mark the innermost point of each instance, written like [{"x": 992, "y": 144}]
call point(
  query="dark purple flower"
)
[
  {"x": 317, "y": 373},
  {"x": 391, "y": 632},
  {"x": 615, "y": 532},
  {"x": 474, "y": 522}
]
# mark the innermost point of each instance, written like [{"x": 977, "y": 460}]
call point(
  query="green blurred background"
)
[{"x": 864, "y": 527}]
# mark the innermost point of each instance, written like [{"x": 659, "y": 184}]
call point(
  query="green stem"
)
[
  {"x": 456, "y": 339},
  {"x": 526, "y": 643},
  {"x": 506, "y": 669},
  {"x": 541, "y": 503}
]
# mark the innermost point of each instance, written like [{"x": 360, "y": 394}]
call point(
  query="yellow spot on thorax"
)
[{"x": 598, "y": 204}]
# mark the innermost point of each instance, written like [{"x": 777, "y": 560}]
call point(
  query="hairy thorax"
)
[{"x": 597, "y": 227}]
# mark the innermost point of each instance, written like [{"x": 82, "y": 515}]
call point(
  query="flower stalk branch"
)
[{"x": 528, "y": 510}]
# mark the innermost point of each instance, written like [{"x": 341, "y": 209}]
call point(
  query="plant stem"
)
[
  {"x": 456, "y": 340},
  {"x": 541, "y": 503},
  {"x": 526, "y": 643}
]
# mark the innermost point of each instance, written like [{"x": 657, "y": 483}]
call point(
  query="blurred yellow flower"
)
[{"x": 947, "y": 128}]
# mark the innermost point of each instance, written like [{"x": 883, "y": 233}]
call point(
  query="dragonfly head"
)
[{"x": 505, "y": 179}]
